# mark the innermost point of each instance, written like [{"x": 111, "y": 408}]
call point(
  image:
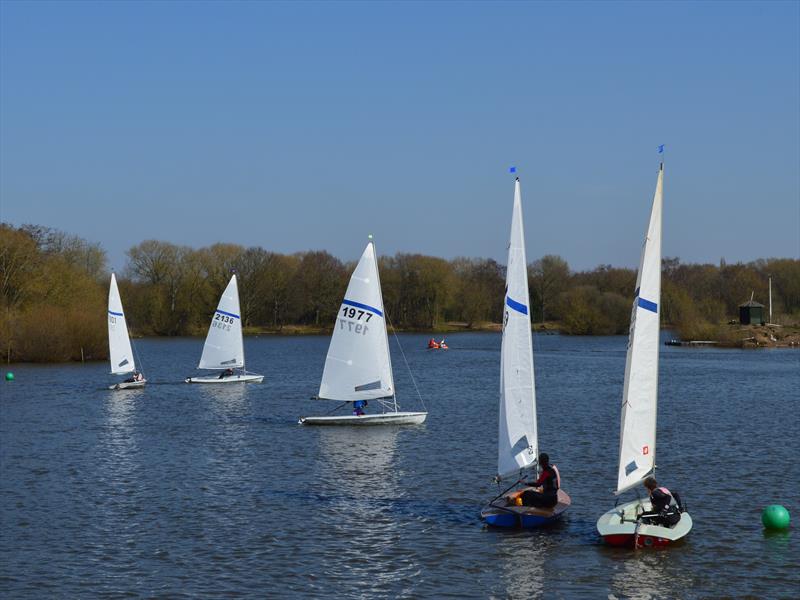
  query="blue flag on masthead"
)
[
  {"x": 661, "y": 149},
  {"x": 512, "y": 169}
]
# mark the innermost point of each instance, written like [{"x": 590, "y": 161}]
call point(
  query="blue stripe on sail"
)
[
  {"x": 516, "y": 305},
  {"x": 227, "y": 314},
  {"x": 111, "y": 312},
  {"x": 647, "y": 305},
  {"x": 364, "y": 306}
]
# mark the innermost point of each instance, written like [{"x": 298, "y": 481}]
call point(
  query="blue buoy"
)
[
  {"x": 775, "y": 516},
  {"x": 9, "y": 376}
]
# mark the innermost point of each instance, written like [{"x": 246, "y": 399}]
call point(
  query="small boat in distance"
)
[
  {"x": 224, "y": 347},
  {"x": 622, "y": 525},
  {"x": 120, "y": 352},
  {"x": 517, "y": 443},
  {"x": 358, "y": 367},
  {"x": 434, "y": 345}
]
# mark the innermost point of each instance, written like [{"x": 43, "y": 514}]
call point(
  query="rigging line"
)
[
  {"x": 413, "y": 380},
  {"x": 336, "y": 408},
  {"x": 136, "y": 352},
  {"x": 505, "y": 490}
]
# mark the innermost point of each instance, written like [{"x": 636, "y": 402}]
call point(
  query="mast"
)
[
  {"x": 224, "y": 345},
  {"x": 385, "y": 324},
  {"x": 358, "y": 365},
  {"x": 241, "y": 331},
  {"x": 517, "y": 431},
  {"x": 637, "y": 446},
  {"x": 120, "y": 351}
]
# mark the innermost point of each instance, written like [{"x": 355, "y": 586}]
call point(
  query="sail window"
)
[{"x": 375, "y": 385}]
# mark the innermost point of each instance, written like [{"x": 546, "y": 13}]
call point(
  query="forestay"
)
[
  {"x": 224, "y": 348},
  {"x": 637, "y": 447},
  {"x": 358, "y": 365},
  {"x": 517, "y": 441},
  {"x": 119, "y": 344}
]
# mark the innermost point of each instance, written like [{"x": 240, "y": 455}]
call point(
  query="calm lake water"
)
[{"x": 191, "y": 491}]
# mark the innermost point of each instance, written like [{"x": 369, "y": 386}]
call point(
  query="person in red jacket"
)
[{"x": 548, "y": 482}]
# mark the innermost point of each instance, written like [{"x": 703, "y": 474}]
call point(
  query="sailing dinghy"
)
[
  {"x": 517, "y": 442},
  {"x": 224, "y": 347},
  {"x": 120, "y": 352},
  {"x": 358, "y": 367},
  {"x": 621, "y": 525}
]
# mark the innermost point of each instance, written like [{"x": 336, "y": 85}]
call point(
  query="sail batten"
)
[
  {"x": 224, "y": 346},
  {"x": 119, "y": 342},
  {"x": 358, "y": 365},
  {"x": 637, "y": 449},
  {"x": 517, "y": 437}
]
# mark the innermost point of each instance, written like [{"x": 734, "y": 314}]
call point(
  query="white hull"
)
[
  {"x": 249, "y": 378},
  {"x": 128, "y": 385},
  {"x": 619, "y": 527},
  {"x": 394, "y": 418}
]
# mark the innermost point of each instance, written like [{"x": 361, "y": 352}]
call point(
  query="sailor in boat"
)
[
  {"x": 432, "y": 345},
  {"x": 549, "y": 482},
  {"x": 665, "y": 509},
  {"x": 226, "y": 373},
  {"x": 358, "y": 407},
  {"x": 134, "y": 378}
]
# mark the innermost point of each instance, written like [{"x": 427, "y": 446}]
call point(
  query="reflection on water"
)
[
  {"x": 522, "y": 556},
  {"x": 642, "y": 575},
  {"x": 359, "y": 460},
  {"x": 119, "y": 441},
  {"x": 777, "y": 543},
  {"x": 225, "y": 395},
  {"x": 355, "y": 467}
]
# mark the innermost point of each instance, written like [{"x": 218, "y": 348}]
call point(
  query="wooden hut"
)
[{"x": 751, "y": 313}]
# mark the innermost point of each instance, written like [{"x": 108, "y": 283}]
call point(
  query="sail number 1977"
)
[
  {"x": 359, "y": 328},
  {"x": 355, "y": 313}
]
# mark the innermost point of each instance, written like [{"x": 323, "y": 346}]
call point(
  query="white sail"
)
[
  {"x": 358, "y": 365},
  {"x": 637, "y": 445},
  {"x": 517, "y": 440},
  {"x": 224, "y": 348},
  {"x": 119, "y": 344}
]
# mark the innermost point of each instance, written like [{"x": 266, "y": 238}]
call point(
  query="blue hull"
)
[
  {"x": 513, "y": 520},
  {"x": 519, "y": 517}
]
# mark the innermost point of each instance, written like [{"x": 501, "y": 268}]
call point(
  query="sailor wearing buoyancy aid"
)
[
  {"x": 665, "y": 510},
  {"x": 550, "y": 482}
]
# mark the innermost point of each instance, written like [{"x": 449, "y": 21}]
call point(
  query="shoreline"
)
[{"x": 728, "y": 336}]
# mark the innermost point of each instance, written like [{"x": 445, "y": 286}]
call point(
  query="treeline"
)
[
  {"x": 54, "y": 290},
  {"x": 53, "y": 298}
]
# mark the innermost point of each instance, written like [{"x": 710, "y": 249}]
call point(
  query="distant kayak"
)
[{"x": 434, "y": 345}]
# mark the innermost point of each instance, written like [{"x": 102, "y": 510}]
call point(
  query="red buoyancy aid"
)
[{"x": 558, "y": 477}]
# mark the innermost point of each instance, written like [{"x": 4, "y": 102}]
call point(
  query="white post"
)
[{"x": 770, "y": 299}]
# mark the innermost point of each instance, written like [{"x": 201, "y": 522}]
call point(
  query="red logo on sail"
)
[{"x": 645, "y": 450}]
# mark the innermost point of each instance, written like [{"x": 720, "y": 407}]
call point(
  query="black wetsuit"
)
[
  {"x": 548, "y": 497},
  {"x": 665, "y": 510}
]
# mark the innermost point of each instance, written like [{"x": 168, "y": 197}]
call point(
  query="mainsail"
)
[
  {"x": 119, "y": 344},
  {"x": 517, "y": 442},
  {"x": 637, "y": 444},
  {"x": 224, "y": 348},
  {"x": 358, "y": 365}
]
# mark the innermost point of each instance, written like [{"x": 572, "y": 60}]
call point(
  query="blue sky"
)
[{"x": 308, "y": 125}]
